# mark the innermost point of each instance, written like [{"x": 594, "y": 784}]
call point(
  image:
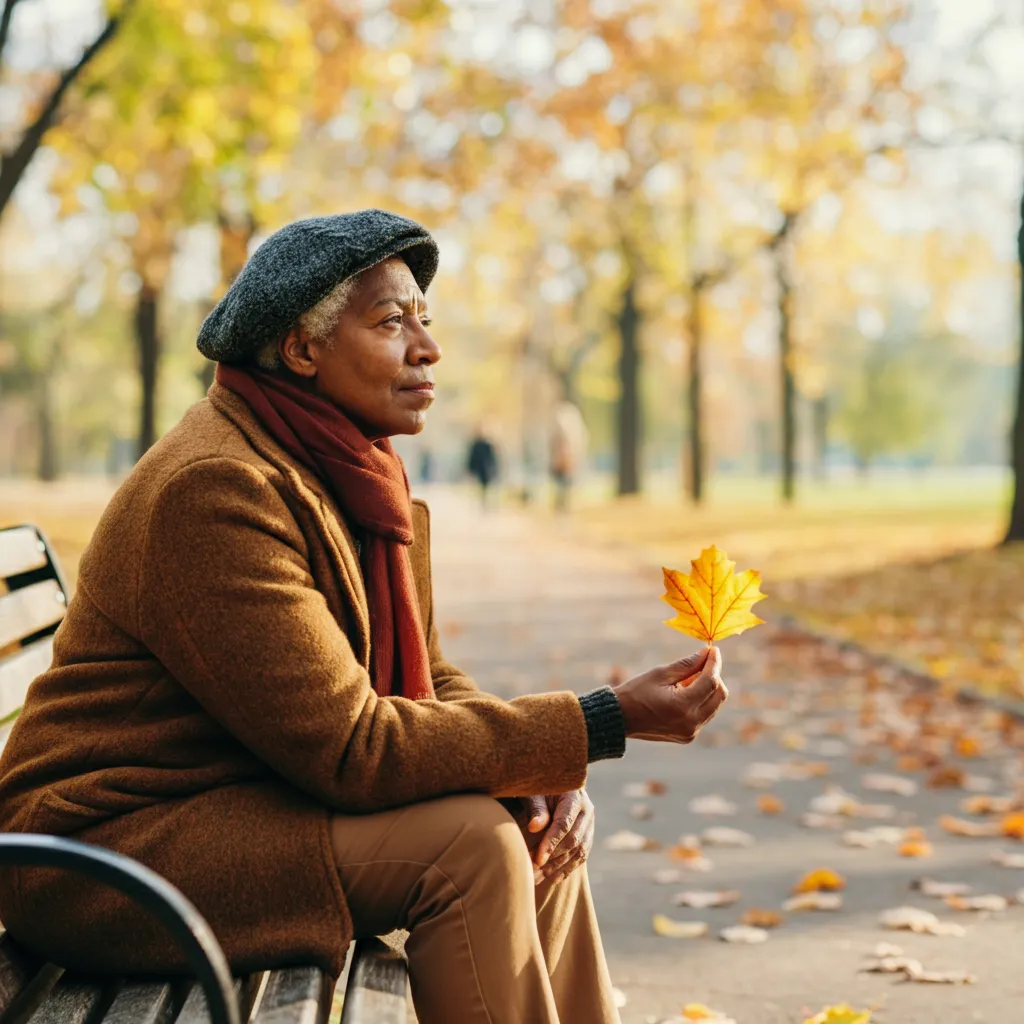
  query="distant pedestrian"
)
[
  {"x": 482, "y": 464},
  {"x": 426, "y": 466},
  {"x": 568, "y": 451}
]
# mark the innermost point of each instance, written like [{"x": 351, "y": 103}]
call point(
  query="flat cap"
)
[{"x": 298, "y": 266}]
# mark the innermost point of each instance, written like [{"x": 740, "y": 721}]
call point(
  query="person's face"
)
[{"x": 378, "y": 367}]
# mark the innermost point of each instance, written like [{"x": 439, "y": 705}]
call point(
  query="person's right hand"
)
[{"x": 670, "y": 703}]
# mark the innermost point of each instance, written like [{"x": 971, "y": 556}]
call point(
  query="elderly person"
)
[{"x": 248, "y": 694}]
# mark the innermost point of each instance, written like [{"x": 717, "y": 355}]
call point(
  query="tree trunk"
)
[
  {"x": 1015, "y": 531},
  {"x": 695, "y": 482},
  {"x": 147, "y": 339},
  {"x": 46, "y": 468},
  {"x": 821, "y": 416},
  {"x": 629, "y": 426},
  {"x": 787, "y": 379}
]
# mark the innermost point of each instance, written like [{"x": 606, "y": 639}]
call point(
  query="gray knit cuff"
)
[{"x": 606, "y": 726}]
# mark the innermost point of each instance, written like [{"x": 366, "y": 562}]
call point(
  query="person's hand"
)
[
  {"x": 671, "y": 702},
  {"x": 567, "y": 824}
]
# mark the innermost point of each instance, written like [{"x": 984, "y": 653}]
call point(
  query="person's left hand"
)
[{"x": 569, "y": 837}]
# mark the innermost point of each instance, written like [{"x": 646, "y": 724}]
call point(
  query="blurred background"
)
[{"x": 742, "y": 271}]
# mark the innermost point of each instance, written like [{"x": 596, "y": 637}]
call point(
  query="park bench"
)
[{"x": 32, "y": 605}]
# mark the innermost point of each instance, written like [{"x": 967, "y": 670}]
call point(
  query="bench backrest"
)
[{"x": 33, "y": 600}]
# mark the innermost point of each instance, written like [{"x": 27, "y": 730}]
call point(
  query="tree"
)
[{"x": 48, "y": 94}]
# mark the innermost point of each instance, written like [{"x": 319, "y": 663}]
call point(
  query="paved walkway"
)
[{"x": 524, "y": 608}]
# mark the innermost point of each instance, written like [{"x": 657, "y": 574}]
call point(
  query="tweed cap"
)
[{"x": 298, "y": 266}]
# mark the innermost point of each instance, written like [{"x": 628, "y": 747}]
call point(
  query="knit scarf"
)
[{"x": 369, "y": 483}]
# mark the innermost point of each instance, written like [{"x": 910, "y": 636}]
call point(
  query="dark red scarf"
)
[{"x": 369, "y": 483}]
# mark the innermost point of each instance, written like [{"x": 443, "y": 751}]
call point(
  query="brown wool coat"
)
[{"x": 209, "y": 705}]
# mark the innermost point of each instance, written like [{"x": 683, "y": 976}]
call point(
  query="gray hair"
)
[{"x": 319, "y": 322}]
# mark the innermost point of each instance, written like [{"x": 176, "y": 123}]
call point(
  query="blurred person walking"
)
[
  {"x": 569, "y": 440},
  {"x": 482, "y": 464}
]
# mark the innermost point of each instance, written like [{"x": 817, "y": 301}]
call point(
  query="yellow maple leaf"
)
[
  {"x": 820, "y": 880},
  {"x": 711, "y": 601},
  {"x": 841, "y": 1014}
]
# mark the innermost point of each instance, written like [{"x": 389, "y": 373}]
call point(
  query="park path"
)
[{"x": 524, "y": 607}]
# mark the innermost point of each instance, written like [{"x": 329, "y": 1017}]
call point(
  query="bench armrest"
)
[{"x": 167, "y": 903}]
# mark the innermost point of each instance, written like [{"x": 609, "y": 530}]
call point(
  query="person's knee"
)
[{"x": 489, "y": 840}]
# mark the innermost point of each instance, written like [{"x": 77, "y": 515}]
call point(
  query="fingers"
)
[
  {"x": 567, "y": 810},
  {"x": 682, "y": 669},
  {"x": 538, "y": 816},
  {"x": 573, "y": 850},
  {"x": 705, "y": 684}
]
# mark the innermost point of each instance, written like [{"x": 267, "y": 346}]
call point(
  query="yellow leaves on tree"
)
[{"x": 712, "y": 602}]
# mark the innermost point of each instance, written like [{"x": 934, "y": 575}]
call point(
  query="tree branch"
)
[
  {"x": 14, "y": 164},
  {"x": 5, "y": 23}
]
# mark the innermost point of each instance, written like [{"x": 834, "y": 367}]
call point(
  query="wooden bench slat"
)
[
  {"x": 71, "y": 1001},
  {"x": 17, "y": 969},
  {"x": 377, "y": 985},
  {"x": 18, "y": 671},
  {"x": 149, "y": 1002},
  {"x": 296, "y": 995},
  {"x": 195, "y": 1010},
  {"x": 20, "y": 550},
  {"x": 29, "y": 609}
]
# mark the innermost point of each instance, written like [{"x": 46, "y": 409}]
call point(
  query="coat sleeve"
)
[{"x": 229, "y": 606}]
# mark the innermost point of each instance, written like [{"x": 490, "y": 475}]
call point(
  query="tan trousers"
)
[{"x": 486, "y": 945}]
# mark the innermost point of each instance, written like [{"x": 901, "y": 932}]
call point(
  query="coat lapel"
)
[{"x": 335, "y": 536}]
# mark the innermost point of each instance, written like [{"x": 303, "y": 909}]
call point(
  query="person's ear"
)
[{"x": 296, "y": 353}]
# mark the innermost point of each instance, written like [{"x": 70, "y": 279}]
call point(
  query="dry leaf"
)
[
  {"x": 820, "y": 880},
  {"x": 833, "y": 801},
  {"x": 991, "y": 902},
  {"x": 743, "y": 934},
  {"x": 1007, "y": 860},
  {"x": 930, "y": 887},
  {"x": 641, "y": 790},
  {"x": 768, "y": 803},
  {"x": 967, "y": 746},
  {"x": 915, "y": 847},
  {"x": 892, "y": 965},
  {"x": 712, "y": 602},
  {"x": 814, "y": 901},
  {"x": 670, "y": 929},
  {"x": 667, "y": 876},
  {"x": 889, "y": 784},
  {"x": 922, "y": 922},
  {"x": 641, "y": 812},
  {"x": 883, "y": 949},
  {"x": 625, "y": 841},
  {"x": 757, "y": 918},
  {"x": 877, "y": 835},
  {"x": 983, "y": 803},
  {"x": 943, "y": 977},
  {"x": 946, "y": 777},
  {"x": 698, "y": 1011},
  {"x": 840, "y": 1014},
  {"x": 712, "y": 804},
  {"x": 701, "y": 899},
  {"x": 720, "y": 835},
  {"x": 811, "y": 819},
  {"x": 974, "y": 829},
  {"x": 1012, "y": 825}
]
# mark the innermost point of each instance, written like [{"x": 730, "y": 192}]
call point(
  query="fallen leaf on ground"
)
[
  {"x": 712, "y": 602},
  {"x": 883, "y": 949},
  {"x": 931, "y": 887},
  {"x": 667, "y": 876},
  {"x": 913, "y": 970},
  {"x": 625, "y": 841},
  {"x": 974, "y": 829},
  {"x": 820, "y": 880},
  {"x": 700, "y": 899},
  {"x": 641, "y": 812},
  {"x": 712, "y": 804},
  {"x": 915, "y": 846},
  {"x": 720, "y": 835},
  {"x": 814, "y": 901},
  {"x": 1007, "y": 860},
  {"x": 889, "y": 784},
  {"x": 979, "y": 784},
  {"x": 812, "y": 819},
  {"x": 947, "y": 776},
  {"x": 768, "y": 803},
  {"x": 877, "y": 835},
  {"x": 757, "y": 918},
  {"x": 943, "y": 977},
  {"x": 670, "y": 929},
  {"x": 1012, "y": 825},
  {"x": 833, "y": 801},
  {"x": 987, "y": 901},
  {"x": 691, "y": 857},
  {"x": 892, "y": 965},
  {"x": 840, "y": 1014},
  {"x": 922, "y": 922},
  {"x": 640, "y": 790},
  {"x": 698, "y": 1011},
  {"x": 744, "y": 934},
  {"x": 983, "y": 803},
  {"x": 968, "y": 746}
]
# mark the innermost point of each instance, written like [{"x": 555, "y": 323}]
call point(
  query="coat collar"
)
[{"x": 306, "y": 486}]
